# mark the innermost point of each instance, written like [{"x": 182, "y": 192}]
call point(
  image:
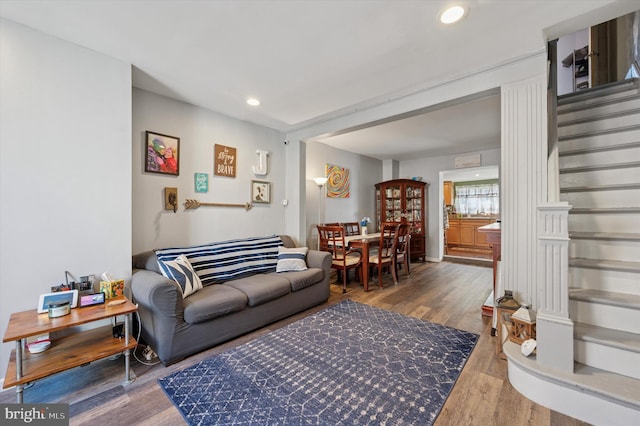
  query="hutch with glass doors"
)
[{"x": 403, "y": 201}]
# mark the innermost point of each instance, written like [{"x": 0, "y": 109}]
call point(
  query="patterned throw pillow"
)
[
  {"x": 180, "y": 271},
  {"x": 292, "y": 259}
]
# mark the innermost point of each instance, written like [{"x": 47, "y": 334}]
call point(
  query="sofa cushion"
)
[
  {"x": 213, "y": 301},
  {"x": 292, "y": 259},
  {"x": 301, "y": 279},
  {"x": 261, "y": 288},
  {"x": 180, "y": 271},
  {"x": 228, "y": 260}
]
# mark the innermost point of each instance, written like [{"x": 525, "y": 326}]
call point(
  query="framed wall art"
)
[
  {"x": 201, "y": 182},
  {"x": 339, "y": 181},
  {"x": 162, "y": 154},
  {"x": 260, "y": 191},
  {"x": 224, "y": 161}
]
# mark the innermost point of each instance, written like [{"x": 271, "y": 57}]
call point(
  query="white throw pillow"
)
[
  {"x": 292, "y": 259},
  {"x": 181, "y": 271}
]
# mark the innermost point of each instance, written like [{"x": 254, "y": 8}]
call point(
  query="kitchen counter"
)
[
  {"x": 455, "y": 217},
  {"x": 463, "y": 232},
  {"x": 493, "y": 236}
]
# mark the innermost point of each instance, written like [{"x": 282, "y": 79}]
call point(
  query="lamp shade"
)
[{"x": 320, "y": 181}]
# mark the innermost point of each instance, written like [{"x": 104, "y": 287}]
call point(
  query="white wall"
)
[
  {"x": 430, "y": 168},
  {"x": 65, "y": 174},
  {"x": 365, "y": 172},
  {"x": 199, "y": 130}
]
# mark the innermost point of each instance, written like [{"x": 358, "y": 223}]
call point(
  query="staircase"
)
[{"x": 599, "y": 150}]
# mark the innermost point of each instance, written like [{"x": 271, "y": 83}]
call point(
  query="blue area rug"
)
[{"x": 350, "y": 364}]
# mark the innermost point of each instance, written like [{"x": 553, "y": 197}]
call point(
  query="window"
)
[{"x": 481, "y": 199}]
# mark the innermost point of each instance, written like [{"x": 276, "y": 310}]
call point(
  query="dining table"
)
[{"x": 362, "y": 242}]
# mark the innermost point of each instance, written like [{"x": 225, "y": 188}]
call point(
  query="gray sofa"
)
[{"x": 176, "y": 328}]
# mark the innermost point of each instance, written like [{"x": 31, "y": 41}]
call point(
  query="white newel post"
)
[{"x": 554, "y": 327}]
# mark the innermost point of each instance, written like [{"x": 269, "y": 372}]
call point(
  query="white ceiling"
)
[{"x": 312, "y": 60}]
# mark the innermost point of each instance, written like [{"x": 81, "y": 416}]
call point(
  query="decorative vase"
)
[{"x": 365, "y": 230}]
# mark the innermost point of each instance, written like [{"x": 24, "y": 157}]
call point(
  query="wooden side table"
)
[{"x": 67, "y": 352}]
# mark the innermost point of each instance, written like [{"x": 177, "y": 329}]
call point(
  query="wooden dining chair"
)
[
  {"x": 342, "y": 259},
  {"x": 351, "y": 228},
  {"x": 386, "y": 251},
  {"x": 403, "y": 252}
]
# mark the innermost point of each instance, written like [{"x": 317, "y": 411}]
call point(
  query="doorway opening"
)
[{"x": 470, "y": 198}]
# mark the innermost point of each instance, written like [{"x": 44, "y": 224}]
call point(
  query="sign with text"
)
[
  {"x": 472, "y": 160},
  {"x": 34, "y": 414},
  {"x": 224, "y": 161}
]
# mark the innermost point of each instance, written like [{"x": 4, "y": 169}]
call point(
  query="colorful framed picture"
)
[
  {"x": 339, "y": 181},
  {"x": 201, "y": 182},
  {"x": 162, "y": 154},
  {"x": 260, "y": 191}
]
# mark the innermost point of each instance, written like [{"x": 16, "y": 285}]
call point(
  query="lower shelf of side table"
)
[{"x": 66, "y": 353}]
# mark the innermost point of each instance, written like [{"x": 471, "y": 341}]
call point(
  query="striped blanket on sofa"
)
[{"x": 227, "y": 260}]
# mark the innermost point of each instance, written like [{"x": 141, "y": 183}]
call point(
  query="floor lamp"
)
[{"x": 320, "y": 181}]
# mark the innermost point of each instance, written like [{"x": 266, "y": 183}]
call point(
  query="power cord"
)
[{"x": 147, "y": 352}]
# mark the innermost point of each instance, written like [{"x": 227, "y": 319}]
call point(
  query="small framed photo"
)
[
  {"x": 201, "y": 182},
  {"x": 260, "y": 191},
  {"x": 162, "y": 154}
]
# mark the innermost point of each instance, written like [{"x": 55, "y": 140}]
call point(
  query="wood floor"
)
[{"x": 446, "y": 293}]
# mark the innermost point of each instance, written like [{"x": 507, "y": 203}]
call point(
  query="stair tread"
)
[
  {"x": 568, "y": 108},
  {"x": 624, "y": 300},
  {"x": 617, "y": 265},
  {"x": 625, "y": 236},
  {"x": 608, "y": 210},
  {"x": 602, "y": 90},
  {"x": 607, "y": 336},
  {"x": 622, "y": 186},
  {"x": 593, "y": 149},
  {"x": 594, "y": 381},
  {"x": 598, "y": 133},
  {"x": 596, "y": 117},
  {"x": 597, "y": 167}
]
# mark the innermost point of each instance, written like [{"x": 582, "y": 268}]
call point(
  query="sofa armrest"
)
[
  {"x": 319, "y": 259},
  {"x": 160, "y": 307}
]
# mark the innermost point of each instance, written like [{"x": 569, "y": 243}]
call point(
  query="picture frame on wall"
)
[
  {"x": 201, "y": 182},
  {"x": 260, "y": 191},
  {"x": 162, "y": 154}
]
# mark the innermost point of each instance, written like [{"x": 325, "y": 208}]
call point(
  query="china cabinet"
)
[{"x": 403, "y": 201}]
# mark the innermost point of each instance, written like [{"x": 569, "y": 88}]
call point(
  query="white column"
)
[
  {"x": 523, "y": 180},
  {"x": 295, "y": 190},
  {"x": 390, "y": 169},
  {"x": 554, "y": 328}
]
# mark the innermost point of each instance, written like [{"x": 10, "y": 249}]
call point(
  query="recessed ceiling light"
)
[
  {"x": 452, "y": 14},
  {"x": 253, "y": 102}
]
